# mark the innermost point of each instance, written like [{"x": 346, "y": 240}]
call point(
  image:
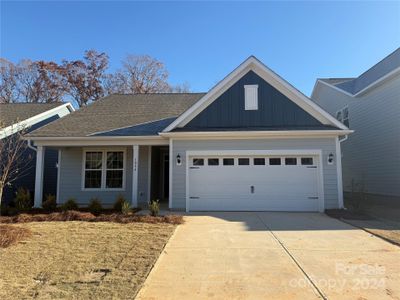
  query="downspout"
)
[
  {"x": 30, "y": 146},
  {"x": 344, "y": 139},
  {"x": 339, "y": 170}
]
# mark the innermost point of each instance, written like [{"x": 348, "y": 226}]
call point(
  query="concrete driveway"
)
[{"x": 267, "y": 255}]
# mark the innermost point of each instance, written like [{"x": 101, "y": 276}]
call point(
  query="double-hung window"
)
[
  {"x": 343, "y": 116},
  {"x": 104, "y": 170}
]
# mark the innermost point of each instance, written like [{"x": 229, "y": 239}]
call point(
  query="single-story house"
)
[
  {"x": 26, "y": 117},
  {"x": 370, "y": 105},
  {"x": 253, "y": 142}
]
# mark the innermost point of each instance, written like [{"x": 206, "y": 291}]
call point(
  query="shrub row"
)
[
  {"x": 23, "y": 203},
  {"x": 72, "y": 215}
]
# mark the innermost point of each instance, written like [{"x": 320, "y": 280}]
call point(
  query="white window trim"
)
[
  {"x": 342, "y": 113},
  {"x": 103, "y": 170},
  {"x": 247, "y": 103}
]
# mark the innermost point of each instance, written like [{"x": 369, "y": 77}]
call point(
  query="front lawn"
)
[{"x": 81, "y": 260}]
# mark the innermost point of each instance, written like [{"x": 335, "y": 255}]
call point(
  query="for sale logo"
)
[{"x": 353, "y": 276}]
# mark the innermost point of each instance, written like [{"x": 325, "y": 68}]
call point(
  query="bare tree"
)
[
  {"x": 27, "y": 77},
  {"x": 84, "y": 77},
  {"x": 8, "y": 82},
  {"x": 50, "y": 85},
  {"x": 13, "y": 163},
  {"x": 181, "y": 88},
  {"x": 140, "y": 74}
]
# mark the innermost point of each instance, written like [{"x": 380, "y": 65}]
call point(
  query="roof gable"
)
[
  {"x": 30, "y": 116},
  {"x": 275, "y": 110},
  {"x": 283, "y": 87},
  {"x": 11, "y": 113}
]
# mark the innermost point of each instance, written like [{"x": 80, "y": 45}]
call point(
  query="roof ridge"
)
[{"x": 374, "y": 65}]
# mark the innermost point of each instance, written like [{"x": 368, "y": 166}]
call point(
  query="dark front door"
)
[{"x": 165, "y": 170}]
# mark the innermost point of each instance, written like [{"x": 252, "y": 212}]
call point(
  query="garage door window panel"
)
[
  {"x": 290, "y": 161},
  {"x": 213, "y": 161},
  {"x": 228, "y": 161},
  {"x": 259, "y": 161},
  {"x": 307, "y": 161},
  {"x": 198, "y": 162},
  {"x": 274, "y": 161},
  {"x": 244, "y": 161}
]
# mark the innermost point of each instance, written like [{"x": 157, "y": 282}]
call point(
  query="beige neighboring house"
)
[{"x": 370, "y": 105}]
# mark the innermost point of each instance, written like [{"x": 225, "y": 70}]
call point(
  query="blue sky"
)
[{"x": 200, "y": 42}]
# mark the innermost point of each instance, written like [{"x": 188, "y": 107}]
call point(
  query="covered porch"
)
[{"x": 105, "y": 170}]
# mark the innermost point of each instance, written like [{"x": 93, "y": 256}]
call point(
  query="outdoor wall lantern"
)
[
  {"x": 330, "y": 159},
  {"x": 178, "y": 160}
]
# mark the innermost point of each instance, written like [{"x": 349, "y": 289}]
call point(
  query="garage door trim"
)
[{"x": 283, "y": 152}]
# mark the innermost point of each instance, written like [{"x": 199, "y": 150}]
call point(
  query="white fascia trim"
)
[
  {"x": 14, "y": 128},
  {"x": 104, "y": 142},
  {"x": 256, "y": 134},
  {"x": 378, "y": 82},
  {"x": 269, "y": 76},
  {"x": 91, "y": 138}
]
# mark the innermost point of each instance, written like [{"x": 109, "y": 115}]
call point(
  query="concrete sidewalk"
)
[{"x": 273, "y": 256}]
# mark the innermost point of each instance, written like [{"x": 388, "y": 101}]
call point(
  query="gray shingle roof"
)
[
  {"x": 11, "y": 113},
  {"x": 117, "y": 115},
  {"x": 382, "y": 68}
]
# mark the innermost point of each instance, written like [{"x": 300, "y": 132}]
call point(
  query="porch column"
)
[
  {"x": 39, "y": 177},
  {"x": 135, "y": 173}
]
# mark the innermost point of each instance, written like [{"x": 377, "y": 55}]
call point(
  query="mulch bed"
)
[
  {"x": 73, "y": 215},
  {"x": 346, "y": 214},
  {"x": 10, "y": 235}
]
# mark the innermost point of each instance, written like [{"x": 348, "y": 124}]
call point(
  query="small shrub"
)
[
  {"x": 70, "y": 205},
  {"x": 23, "y": 200},
  {"x": 154, "y": 208},
  {"x": 95, "y": 206},
  {"x": 126, "y": 208},
  {"x": 10, "y": 235},
  {"x": 119, "y": 202},
  {"x": 50, "y": 202},
  {"x": 3, "y": 209}
]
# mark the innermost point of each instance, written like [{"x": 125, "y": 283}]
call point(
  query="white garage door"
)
[{"x": 253, "y": 183}]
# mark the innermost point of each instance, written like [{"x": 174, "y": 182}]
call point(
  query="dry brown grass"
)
[
  {"x": 10, "y": 235},
  {"x": 88, "y": 217},
  {"x": 81, "y": 260}
]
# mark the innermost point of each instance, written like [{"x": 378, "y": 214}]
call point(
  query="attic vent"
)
[{"x": 251, "y": 97}]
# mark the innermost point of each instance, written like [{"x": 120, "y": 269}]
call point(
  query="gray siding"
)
[
  {"x": 371, "y": 155},
  {"x": 71, "y": 177},
  {"x": 327, "y": 146},
  {"x": 274, "y": 109}
]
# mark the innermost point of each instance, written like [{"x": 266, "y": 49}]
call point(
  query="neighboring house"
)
[
  {"x": 370, "y": 105},
  {"x": 15, "y": 117},
  {"x": 253, "y": 142}
]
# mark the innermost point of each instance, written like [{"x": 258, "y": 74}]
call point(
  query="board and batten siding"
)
[
  {"x": 326, "y": 145},
  {"x": 71, "y": 177},
  {"x": 274, "y": 109},
  {"x": 371, "y": 155}
]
